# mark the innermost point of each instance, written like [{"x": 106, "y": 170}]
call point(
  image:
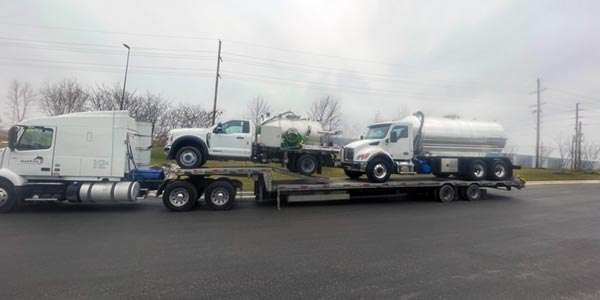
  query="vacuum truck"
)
[
  {"x": 302, "y": 145},
  {"x": 417, "y": 145},
  {"x": 79, "y": 157}
]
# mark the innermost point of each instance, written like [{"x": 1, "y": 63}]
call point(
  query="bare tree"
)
[
  {"x": 327, "y": 111},
  {"x": 590, "y": 155},
  {"x": 105, "y": 97},
  {"x": 20, "y": 97},
  {"x": 452, "y": 117},
  {"x": 149, "y": 108},
  {"x": 66, "y": 96},
  {"x": 257, "y": 108},
  {"x": 401, "y": 113},
  {"x": 378, "y": 117},
  {"x": 564, "y": 147}
]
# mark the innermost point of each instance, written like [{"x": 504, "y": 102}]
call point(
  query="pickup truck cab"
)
[{"x": 192, "y": 147}]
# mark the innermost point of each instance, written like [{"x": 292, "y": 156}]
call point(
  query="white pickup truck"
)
[{"x": 299, "y": 144}]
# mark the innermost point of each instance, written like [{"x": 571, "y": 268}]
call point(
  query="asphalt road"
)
[{"x": 539, "y": 243}]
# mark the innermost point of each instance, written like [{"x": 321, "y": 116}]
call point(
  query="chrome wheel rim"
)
[
  {"x": 3, "y": 197},
  {"x": 219, "y": 196},
  {"x": 479, "y": 170},
  {"x": 189, "y": 158},
  {"x": 179, "y": 197},
  {"x": 499, "y": 171},
  {"x": 380, "y": 171}
]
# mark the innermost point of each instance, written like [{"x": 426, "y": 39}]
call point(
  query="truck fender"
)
[
  {"x": 183, "y": 140},
  {"x": 12, "y": 177},
  {"x": 385, "y": 156}
]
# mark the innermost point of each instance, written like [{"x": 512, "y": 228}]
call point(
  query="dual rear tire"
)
[
  {"x": 495, "y": 170},
  {"x": 183, "y": 195}
]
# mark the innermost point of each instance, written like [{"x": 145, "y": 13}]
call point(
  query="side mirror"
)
[
  {"x": 219, "y": 128},
  {"x": 362, "y": 136},
  {"x": 393, "y": 137},
  {"x": 13, "y": 133}
]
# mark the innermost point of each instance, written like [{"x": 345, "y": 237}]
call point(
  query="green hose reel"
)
[{"x": 292, "y": 139}]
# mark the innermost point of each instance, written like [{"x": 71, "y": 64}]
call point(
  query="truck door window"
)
[
  {"x": 233, "y": 127},
  {"x": 400, "y": 132},
  {"x": 35, "y": 138}
]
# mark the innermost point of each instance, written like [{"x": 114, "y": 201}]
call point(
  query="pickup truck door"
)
[
  {"x": 34, "y": 152},
  {"x": 231, "y": 139},
  {"x": 399, "y": 144}
]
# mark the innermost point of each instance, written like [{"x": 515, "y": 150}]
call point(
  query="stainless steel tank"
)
[{"x": 441, "y": 136}]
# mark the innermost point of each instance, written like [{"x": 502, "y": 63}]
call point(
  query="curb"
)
[{"x": 561, "y": 182}]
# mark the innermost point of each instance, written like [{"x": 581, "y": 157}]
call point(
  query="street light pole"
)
[{"x": 125, "y": 81}]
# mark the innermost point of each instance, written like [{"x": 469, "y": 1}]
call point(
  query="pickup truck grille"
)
[{"x": 348, "y": 154}]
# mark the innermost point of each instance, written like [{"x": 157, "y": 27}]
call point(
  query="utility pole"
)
[
  {"x": 579, "y": 140},
  {"x": 576, "y": 139},
  {"x": 214, "y": 114},
  {"x": 538, "y": 112}
]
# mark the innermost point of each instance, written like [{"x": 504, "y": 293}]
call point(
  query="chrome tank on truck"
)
[
  {"x": 450, "y": 137},
  {"x": 287, "y": 126}
]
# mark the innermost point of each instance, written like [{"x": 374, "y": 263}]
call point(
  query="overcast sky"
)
[{"x": 477, "y": 59}]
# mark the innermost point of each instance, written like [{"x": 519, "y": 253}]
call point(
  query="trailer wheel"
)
[
  {"x": 307, "y": 164},
  {"x": 189, "y": 157},
  {"x": 220, "y": 195},
  {"x": 445, "y": 193},
  {"x": 472, "y": 192},
  {"x": 352, "y": 174},
  {"x": 477, "y": 170},
  {"x": 180, "y": 196},
  {"x": 379, "y": 170},
  {"x": 8, "y": 197},
  {"x": 498, "y": 170}
]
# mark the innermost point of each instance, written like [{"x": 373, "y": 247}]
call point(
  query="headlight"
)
[{"x": 364, "y": 156}]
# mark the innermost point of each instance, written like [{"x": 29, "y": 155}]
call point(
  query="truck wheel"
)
[
  {"x": 180, "y": 196},
  {"x": 445, "y": 193},
  {"x": 352, "y": 174},
  {"x": 477, "y": 170},
  {"x": 307, "y": 164},
  {"x": 291, "y": 166},
  {"x": 498, "y": 171},
  {"x": 189, "y": 157},
  {"x": 379, "y": 170},
  {"x": 220, "y": 195},
  {"x": 472, "y": 192},
  {"x": 8, "y": 197}
]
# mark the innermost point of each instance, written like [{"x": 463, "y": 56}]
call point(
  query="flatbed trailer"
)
[{"x": 182, "y": 188}]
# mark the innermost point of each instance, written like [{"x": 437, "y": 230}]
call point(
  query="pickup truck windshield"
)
[{"x": 378, "y": 131}]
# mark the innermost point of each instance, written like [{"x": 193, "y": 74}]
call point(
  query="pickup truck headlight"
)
[{"x": 363, "y": 156}]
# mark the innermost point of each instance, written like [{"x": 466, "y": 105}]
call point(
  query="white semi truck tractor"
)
[
  {"x": 443, "y": 147},
  {"x": 302, "y": 145},
  {"x": 79, "y": 157}
]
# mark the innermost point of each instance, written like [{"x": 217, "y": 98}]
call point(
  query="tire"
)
[
  {"x": 220, "y": 195},
  {"x": 189, "y": 157},
  {"x": 291, "y": 165},
  {"x": 498, "y": 171},
  {"x": 8, "y": 197},
  {"x": 379, "y": 170},
  {"x": 445, "y": 193},
  {"x": 472, "y": 192},
  {"x": 476, "y": 170},
  {"x": 352, "y": 174},
  {"x": 180, "y": 196},
  {"x": 307, "y": 164}
]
